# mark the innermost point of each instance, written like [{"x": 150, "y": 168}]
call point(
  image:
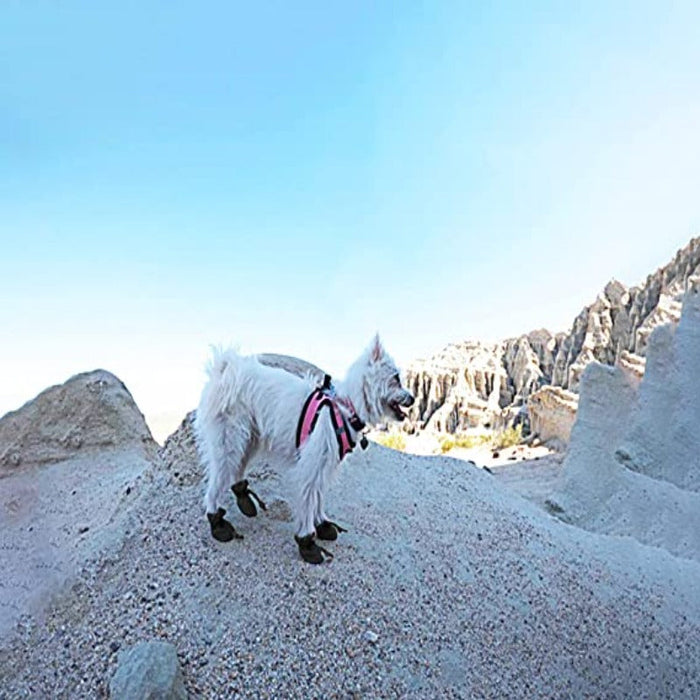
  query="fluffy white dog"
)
[{"x": 246, "y": 405}]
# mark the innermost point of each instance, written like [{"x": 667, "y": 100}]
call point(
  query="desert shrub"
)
[
  {"x": 469, "y": 441},
  {"x": 447, "y": 442},
  {"x": 395, "y": 441},
  {"x": 507, "y": 438}
]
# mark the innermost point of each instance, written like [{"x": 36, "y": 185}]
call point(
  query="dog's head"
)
[{"x": 383, "y": 395}]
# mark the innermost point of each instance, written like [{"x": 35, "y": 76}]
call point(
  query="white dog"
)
[{"x": 246, "y": 405}]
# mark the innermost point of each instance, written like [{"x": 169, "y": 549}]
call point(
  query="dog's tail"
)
[{"x": 222, "y": 389}]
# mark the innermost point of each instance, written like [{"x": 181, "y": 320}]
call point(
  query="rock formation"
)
[
  {"x": 479, "y": 385},
  {"x": 460, "y": 388},
  {"x": 469, "y": 384},
  {"x": 552, "y": 414},
  {"x": 664, "y": 440},
  {"x": 91, "y": 411},
  {"x": 633, "y": 465}
]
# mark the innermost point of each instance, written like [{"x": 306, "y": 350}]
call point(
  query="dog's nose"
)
[{"x": 408, "y": 400}]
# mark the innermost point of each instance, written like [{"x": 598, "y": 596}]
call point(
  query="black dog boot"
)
[
  {"x": 244, "y": 500},
  {"x": 328, "y": 530},
  {"x": 221, "y": 529},
  {"x": 310, "y": 551}
]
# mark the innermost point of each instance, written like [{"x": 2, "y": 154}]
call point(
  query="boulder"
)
[
  {"x": 148, "y": 671},
  {"x": 179, "y": 454},
  {"x": 295, "y": 365}
]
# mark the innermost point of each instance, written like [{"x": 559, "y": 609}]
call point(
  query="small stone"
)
[{"x": 371, "y": 637}]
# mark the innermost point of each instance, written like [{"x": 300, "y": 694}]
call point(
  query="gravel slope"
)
[
  {"x": 447, "y": 585},
  {"x": 55, "y": 518}
]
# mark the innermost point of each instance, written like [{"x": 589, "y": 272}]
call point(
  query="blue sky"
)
[{"x": 294, "y": 176}]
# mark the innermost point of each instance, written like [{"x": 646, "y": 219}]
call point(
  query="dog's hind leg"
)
[
  {"x": 244, "y": 494},
  {"x": 225, "y": 443}
]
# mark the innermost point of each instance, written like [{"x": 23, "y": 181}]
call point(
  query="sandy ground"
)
[
  {"x": 54, "y": 518},
  {"x": 449, "y": 584},
  {"x": 533, "y": 479}
]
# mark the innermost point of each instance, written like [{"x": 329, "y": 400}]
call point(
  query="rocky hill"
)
[
  {"x": 472, "y": 384},
  {"x": 73, "y": 463}
]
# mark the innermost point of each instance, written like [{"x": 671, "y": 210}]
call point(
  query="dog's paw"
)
[
  {"x": 310, "y": 551},
  {"x": 221, "y": 529},
  {"x": 328, "y": 530}
]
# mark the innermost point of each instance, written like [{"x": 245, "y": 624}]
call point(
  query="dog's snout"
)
[{"x": 408, "y": 400}]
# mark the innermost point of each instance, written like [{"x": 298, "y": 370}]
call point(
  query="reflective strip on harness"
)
[{"x": 309, "y": 415}]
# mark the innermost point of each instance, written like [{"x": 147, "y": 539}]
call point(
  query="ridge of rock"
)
[{"x": 471, "y": 384}]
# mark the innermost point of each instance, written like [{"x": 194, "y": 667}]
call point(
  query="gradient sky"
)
[{"x": 292, "y": 177}]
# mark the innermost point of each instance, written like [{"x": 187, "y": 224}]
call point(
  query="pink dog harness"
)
[{"x": 325, "y": 396}]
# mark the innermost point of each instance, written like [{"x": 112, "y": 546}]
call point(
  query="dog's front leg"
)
[
  {"x": 325, "y": 529},
  {"x": 313, "y": 468}
]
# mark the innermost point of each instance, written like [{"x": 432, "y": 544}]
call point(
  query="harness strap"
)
[
  {"x": 309, "y": 415},
  {"x": 311, "y": 410},
  {"x": 342, "y": 432}
]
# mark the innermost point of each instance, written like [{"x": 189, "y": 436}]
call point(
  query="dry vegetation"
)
[
  {"x": 498, "y": 441},
  {"x": 395, "y": 441}
]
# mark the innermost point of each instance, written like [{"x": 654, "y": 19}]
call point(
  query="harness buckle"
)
[{"x": 356, "y": 423}]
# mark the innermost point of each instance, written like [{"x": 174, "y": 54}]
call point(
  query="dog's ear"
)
[{"x": 377, "y": 351}]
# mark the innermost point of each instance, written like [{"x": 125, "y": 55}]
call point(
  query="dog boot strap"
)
[
  {"x": 339, "y": 528},
  {"x": 250, "y": 492},
  {"x": 328, "y": 530},
  {"x": 325, "y": 551},
  {"x": 243, "y": 498}
]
